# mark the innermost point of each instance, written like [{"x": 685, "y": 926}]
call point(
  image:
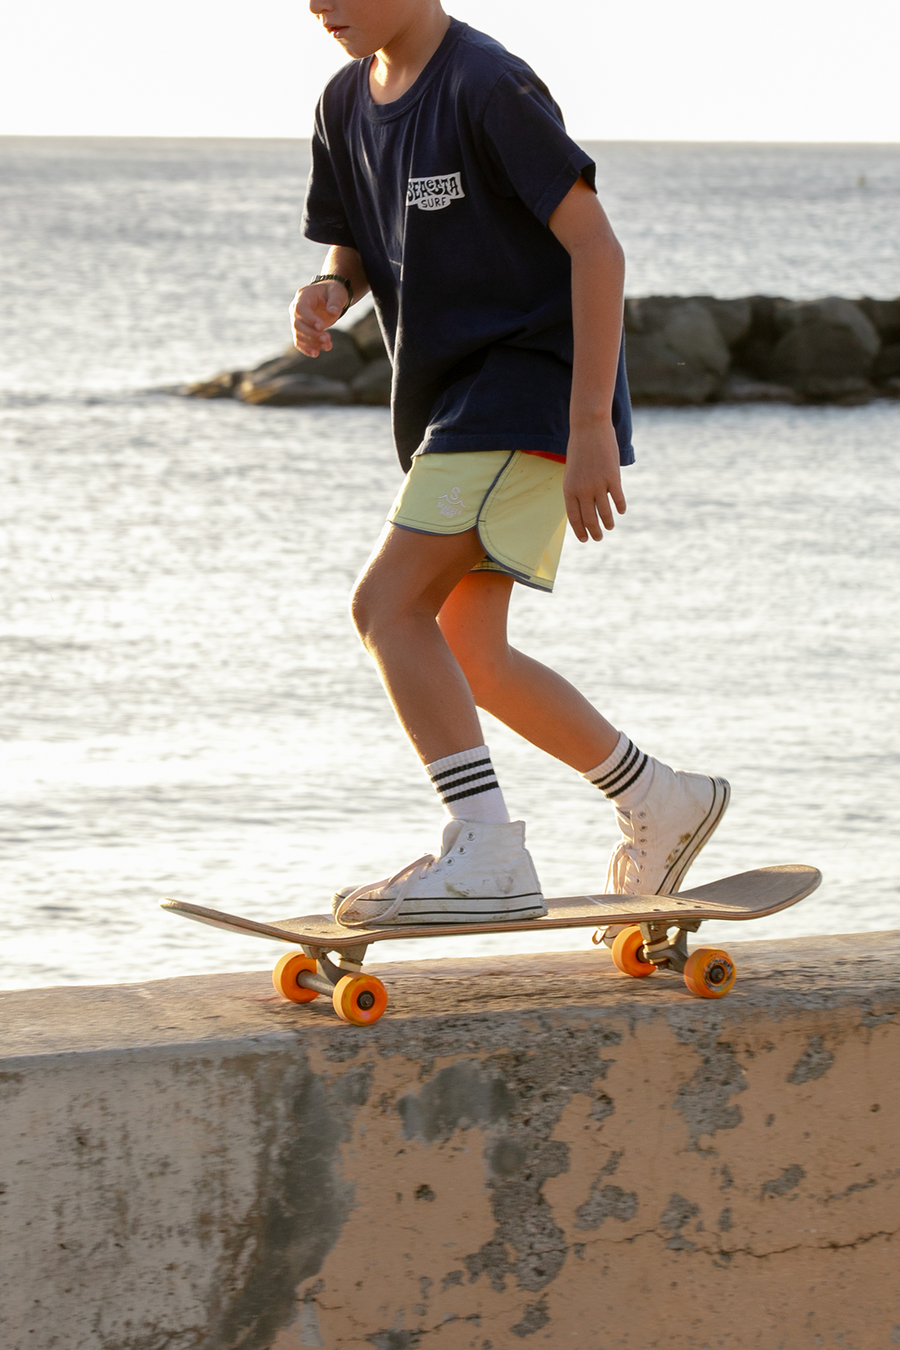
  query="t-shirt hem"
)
[
  {"x": 447, "y": 442},
  {"x": 334, "y": 236}
]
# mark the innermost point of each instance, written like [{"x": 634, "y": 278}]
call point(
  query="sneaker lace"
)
[
  {"x": 627, "y": 851},
  {"x": 624, "y": 853},
  {"x": 406, "y": 877}
]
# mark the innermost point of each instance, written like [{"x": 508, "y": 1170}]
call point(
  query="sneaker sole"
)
[
  {"x": 701, "y": 836},
  {"x": 506, "y": 908}
]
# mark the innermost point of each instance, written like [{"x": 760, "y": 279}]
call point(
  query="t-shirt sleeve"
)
[
  {"x": 324, "y": 218},
  {"x": 528, "y": 145}
]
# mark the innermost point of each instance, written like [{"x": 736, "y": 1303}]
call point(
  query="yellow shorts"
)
[{"x": 514, "y": 500}]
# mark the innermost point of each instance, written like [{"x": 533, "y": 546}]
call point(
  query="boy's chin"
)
[{"x": 356, "y": 48}]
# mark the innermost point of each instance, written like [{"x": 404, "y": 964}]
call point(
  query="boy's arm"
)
[
  {"x": 317, "y": 306},
  {"x": 598, "y": 276}
]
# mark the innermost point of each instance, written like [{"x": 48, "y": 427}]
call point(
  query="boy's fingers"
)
[
  {"x": 312, "y": 346},
  {"x": 583, "y": 512},
  {"x": 309, "y": 331},
  {"x": 573, "y": 511},
  {"x": 309, "y": 340},
  {"x": 583, "y": 519},
  {"x": 589, "y": 516}
]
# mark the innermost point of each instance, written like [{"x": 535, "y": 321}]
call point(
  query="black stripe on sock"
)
[
  {"x": 632, "y": 780},
  {"x": 598, "y": 782},
  {"x": 470, "y": 792},
  {"x": 461, "y": 782},
  {"x": 460, "y": 768},
  {"x": 622, "y": 769}
]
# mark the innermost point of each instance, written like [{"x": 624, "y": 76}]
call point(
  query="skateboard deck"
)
[
  {"x": 638, "y": 932},
  {"x": 748, "y": 895}
]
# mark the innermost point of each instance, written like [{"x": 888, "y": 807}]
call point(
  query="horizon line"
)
[{"x": 606, "y": 140}]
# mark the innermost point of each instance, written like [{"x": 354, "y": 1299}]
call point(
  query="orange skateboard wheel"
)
[
  {"x": 284, "y": 977},
  {"x": 360, "y": 999},
  {"x": 627, "y": 955},
  {"x": 709, "y": 972}
]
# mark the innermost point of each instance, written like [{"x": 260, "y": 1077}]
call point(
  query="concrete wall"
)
[{"x": 523, "y": 1151}]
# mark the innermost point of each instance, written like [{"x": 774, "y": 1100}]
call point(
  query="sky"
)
[{"x": 774, "y": 70}]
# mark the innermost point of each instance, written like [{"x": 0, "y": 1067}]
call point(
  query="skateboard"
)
[{"x": 642, "y": 937}]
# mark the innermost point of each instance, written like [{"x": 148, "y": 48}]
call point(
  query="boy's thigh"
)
[
  {"x": 474, "y": 616},
  {"x": 409, "y": 568}
]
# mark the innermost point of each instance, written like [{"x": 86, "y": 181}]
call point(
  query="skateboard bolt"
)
[
  {"x": 366, "y": 1000},
  {"x": 716, "y": 973}
]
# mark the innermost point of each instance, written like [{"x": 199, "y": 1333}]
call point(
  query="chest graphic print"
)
[{"x": 433, "y": 194}]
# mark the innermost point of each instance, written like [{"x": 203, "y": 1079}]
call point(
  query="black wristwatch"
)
[{"x": 333, "y": 276}]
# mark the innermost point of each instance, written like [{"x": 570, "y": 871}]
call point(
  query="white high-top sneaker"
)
[
  {"x": 484, "y": 874},
  {"x": 663, "y": 834}
]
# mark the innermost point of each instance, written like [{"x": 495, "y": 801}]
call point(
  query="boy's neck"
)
[{"x": 400, "y": 62}]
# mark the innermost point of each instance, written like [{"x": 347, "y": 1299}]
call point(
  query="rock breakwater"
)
[{"x": 680, "y": 351}]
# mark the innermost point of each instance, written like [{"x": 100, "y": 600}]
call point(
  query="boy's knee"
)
[
  {"x": 375, "y": 605},
  {"x": 363, "y": 607}
]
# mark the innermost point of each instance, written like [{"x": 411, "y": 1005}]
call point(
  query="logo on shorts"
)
[
  {"x": 451, "y": 504},
  {"x": 433, "y": 194}
]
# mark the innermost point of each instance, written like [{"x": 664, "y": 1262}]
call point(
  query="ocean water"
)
[{"x": 184, "y": 708}]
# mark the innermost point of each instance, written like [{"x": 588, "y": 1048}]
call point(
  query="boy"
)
[{"x": 444, "y": 182}]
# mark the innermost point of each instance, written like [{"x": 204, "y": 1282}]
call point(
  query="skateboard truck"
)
[
  {"x": 304, "y": 975},
  {"x": 658, "y": 946},
  {"x": 663, "y": 950},
  {"x": 641, "y": 949}
]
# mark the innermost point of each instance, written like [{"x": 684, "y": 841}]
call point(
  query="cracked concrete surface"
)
[{"x": 528, "y": 1149}]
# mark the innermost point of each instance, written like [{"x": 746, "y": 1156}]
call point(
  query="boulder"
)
[
  {"x": 732, "y": 317},
  {"x": 847, "y": 390},
  {"x": 220, "y": 386},
  {"x": 293, "y": 391},
  {"x": 822, "y": 345},
  {"x": 886, "y": 364},
  {"x": 752, "y": 354},
  {"x": 366, "y": 333},
  {"x": 343, "y": 362},
  {"x": 675, "y": 351},
  {"x": 884, "y": 315},
  {"x": 373, "y": 384},
  {"x": 743, "y": 389}
]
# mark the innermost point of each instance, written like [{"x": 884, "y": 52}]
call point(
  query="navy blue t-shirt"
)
[{"x": 446, "y": 194}]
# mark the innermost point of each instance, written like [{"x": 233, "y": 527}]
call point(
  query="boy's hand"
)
[
  {"x": 313, "y": 310},
  {"x": 591, "y": 479}
]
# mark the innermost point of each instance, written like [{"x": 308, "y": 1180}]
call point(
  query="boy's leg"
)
[
  {"x": 527, "y": 696},
  {"x": 395, "y": 604},
  {"x": 484, "y": 871},
  {"x": 665, "y": 816}
]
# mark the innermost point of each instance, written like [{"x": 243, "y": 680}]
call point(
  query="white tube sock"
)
[
  {"x": 625, "y": 776},
  {"x": 468, "y": 787}
]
